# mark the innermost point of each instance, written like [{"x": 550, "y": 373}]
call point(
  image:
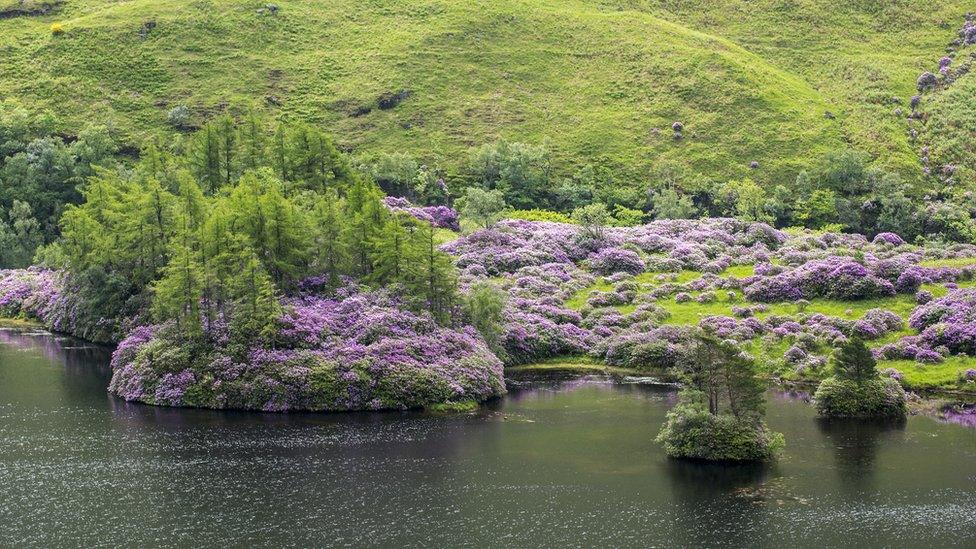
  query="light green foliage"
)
[
  {"x": 482, "y": 208},
  {"x": 224, "y": 252},
  {"x": 817, "y": 210},
  {"x": 484, "y": 306},
  {"x": 627, "y": 217},
  {"x": 668, "y": 203},
  {"x": 592, "y": 219},
  {"x": 430, "y": 278},
  {"x": 744, "y": 199},
  {"x": 539, "y": 215},
  {"x": 749, "y": 80},
  {"x": 395, "y": 173}
]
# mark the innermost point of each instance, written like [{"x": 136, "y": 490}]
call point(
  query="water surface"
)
[{"x": 552, "y": 464}]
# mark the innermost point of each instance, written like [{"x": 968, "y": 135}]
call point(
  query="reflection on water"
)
[
  {"x": 554, "y": 463},
  {"x": 856, "y": 444}
]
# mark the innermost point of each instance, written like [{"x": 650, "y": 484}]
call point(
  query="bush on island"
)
[
  {"x": 856, "y": 389},
  {"x": 692, "y": 432}
]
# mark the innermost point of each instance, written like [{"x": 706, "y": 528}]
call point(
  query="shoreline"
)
[
  {"x": 570, "y": 368},
  {"x": 20, "y": 324}
]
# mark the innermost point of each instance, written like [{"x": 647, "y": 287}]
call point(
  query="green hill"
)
[{"x": 778, "y": 82}]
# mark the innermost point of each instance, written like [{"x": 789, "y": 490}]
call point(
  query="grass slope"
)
[{"x": 751, "y": 80}]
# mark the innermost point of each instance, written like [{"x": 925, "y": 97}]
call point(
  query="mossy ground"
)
[
  {"x": 750, "y": 80},
  {"x": 571, "y": 365},
  {"x": 19, "y": 323},
  {"x": 466, "y": 406}
]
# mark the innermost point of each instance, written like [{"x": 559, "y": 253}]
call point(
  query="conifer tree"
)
[
  {"x": 431, "y": 275},
  {"x": 328, "y": 225},
  {"x": 854, "y": 361},
  {"x": 177, "y": 294}
]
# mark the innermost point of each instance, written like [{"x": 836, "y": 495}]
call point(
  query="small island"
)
[
  {"x": 719, "y": 415},
  {"x": 856, "y": 390}
]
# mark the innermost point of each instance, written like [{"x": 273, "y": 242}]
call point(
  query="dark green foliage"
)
[
  {"x": 521, "y": 172},
  {"x": 39, "y": 175},
  {"x": 873, "y": 398},
  {"x": 20, "y": 237},
  {"x": 853, "y": 361},
  {"x": 727, "y": 376}
]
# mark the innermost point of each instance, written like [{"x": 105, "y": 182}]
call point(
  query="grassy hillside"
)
[{"x": 602, "y": 79}]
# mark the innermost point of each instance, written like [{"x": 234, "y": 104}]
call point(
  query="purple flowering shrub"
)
[
  {"x": 888, "y": 238},
  {"x": 644, "y": 347},
  {"x": 48, "y": 297},
  {"x": 946, "y": 324},
  {"x": 359, "y": 351},
  {"x": 616, "y": 260},
  {"x": 833, "y": 278},
  {"x": 440, "y": 217}
]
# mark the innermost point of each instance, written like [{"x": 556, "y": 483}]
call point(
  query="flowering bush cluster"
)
[
  {"x": 834, "y": 278},
  {"x": 946, "y": 326},
  {"x": 616, "y": 260},
  {"x": 44, "y": 296},
  {"x": 546, "y": 264},
  {"x": 38, "y": 294},
  {"x": 671, "y": 245},
  {"x": 358, "y": 351},
  {"x": 440, "y": 217}
]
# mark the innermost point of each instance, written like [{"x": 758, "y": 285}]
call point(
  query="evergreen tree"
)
[
  {"x": 390, "y": 250},
  {"x": 328, "y": 226},
  {"x": 431, "y": 275},
  {"x": 206, "y": 158},
  {"x": 177, "y": 294},
  {"x": 256, "y": 306},
  {"x": 253, "y": 142},
  {"x": 854, "y": 361},
  {"x": 727, "y": 376}
]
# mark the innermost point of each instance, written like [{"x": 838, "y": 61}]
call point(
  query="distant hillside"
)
[{"x": 778, "y": 82}]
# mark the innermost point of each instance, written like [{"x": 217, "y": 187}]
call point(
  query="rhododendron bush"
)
[
  {"x": 441, "y": 217},
  {"x": 355, "y": 351}
]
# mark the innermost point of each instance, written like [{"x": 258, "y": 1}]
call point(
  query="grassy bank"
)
[{"x": 603, "y": 80}]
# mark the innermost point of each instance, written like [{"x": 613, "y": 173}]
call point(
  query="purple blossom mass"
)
[
  {"x": 440, "y": 217},
  {"x": 361, "y": 352}
]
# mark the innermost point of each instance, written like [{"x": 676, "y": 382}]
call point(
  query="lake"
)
[{"x": 568, "y": 463}]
